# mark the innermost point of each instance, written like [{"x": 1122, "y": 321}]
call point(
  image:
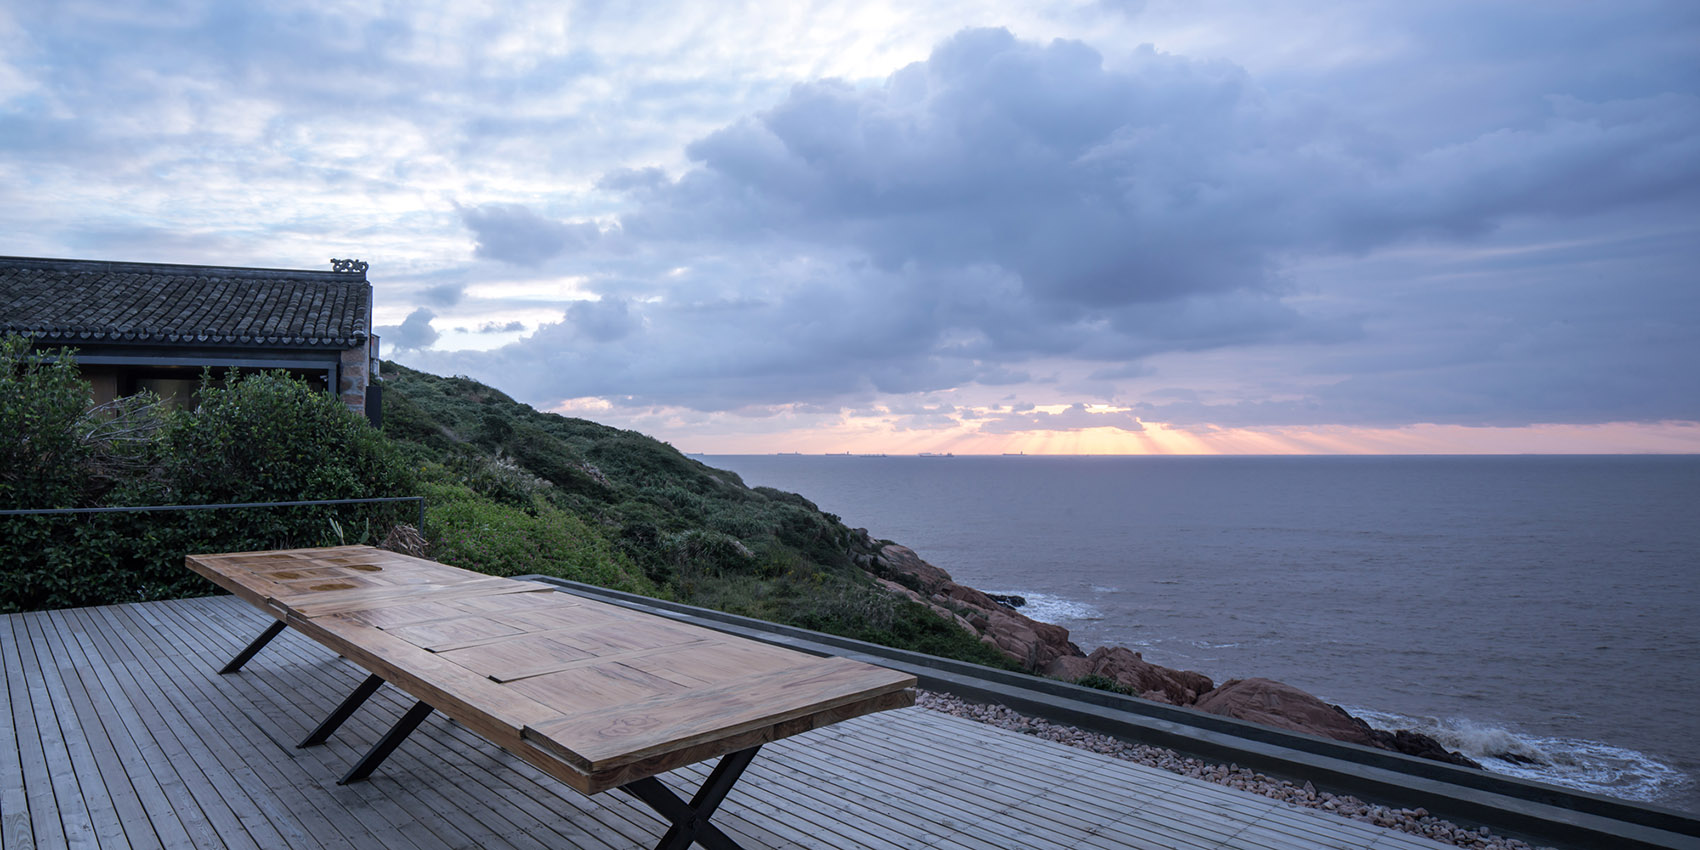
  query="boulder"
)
[
  {"x": 1032, "y": 643},
  {"x": 1045, "y": 648},
  {"x": 1131, "y": 670},
  {"x": 901, "y": 564},
  {"x": 1422, "y": 746},
  {"x": 1283, "y": 706},
  {"x": 1068, "y": 668}
]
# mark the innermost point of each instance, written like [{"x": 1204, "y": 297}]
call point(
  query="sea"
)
[{"x": 1539, "y": 613}]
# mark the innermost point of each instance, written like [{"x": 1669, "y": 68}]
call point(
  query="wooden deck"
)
[{"x": 123, "y": 735}]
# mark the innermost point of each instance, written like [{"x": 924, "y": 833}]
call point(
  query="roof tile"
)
[{"x": 72, "y": 300}]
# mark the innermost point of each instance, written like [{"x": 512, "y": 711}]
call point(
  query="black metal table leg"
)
[
  {"x": 392, "y": 739},
  {"x": 252, "y": 648},
  {"x": 690, "y": 821},
  {"x": 342, "y": 712}
]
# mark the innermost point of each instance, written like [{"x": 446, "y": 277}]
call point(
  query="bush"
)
[
  {"x": 270, "y": 437},
  {"x": 44, "y": 405},
  {"x": 256, "y": 439},
  {"x": 476, "y": 534},
  {"x": 1104, "y": 683}
]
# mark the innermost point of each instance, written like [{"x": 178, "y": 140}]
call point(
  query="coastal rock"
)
[
  {"x": 1131, "y": 670},
  {"x": 939, "y": 610},
  {"x": 1068, "y": 668},
  {"x": 1036, "y": 645},
  {"x": 1422, "y": 746},
  {"x": 1283, "y": 706},
  {"x": 1044, "y": 648},
  {"x": 899, "y": 570},
  {"x": 902, "y": 565}
]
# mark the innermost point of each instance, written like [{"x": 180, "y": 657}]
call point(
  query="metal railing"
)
[{"x": 147, "y": 508}]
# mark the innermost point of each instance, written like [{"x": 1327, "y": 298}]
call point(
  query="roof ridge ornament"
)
[{"x": 348, "y": 266}]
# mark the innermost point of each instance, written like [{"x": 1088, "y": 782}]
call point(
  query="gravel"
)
[{"x": 1414, "y": 821}]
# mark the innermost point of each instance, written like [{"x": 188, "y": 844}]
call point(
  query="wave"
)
[
  {"x": 1051, "y": 609},
  {"x": 1584, "y": 765}
]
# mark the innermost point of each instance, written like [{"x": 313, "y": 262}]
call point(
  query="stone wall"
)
[{"x": 354, "y": 375}]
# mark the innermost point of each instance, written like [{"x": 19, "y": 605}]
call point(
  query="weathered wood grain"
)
[
  {"x": 586, "y": 691},
  {"x": 195, "y": 746}
]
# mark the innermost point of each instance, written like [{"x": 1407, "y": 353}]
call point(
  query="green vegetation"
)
[
  {"x": 257, "y": 438},
  {"x": 509, "y": 491},
  {"x": 1104, "y": 683}
]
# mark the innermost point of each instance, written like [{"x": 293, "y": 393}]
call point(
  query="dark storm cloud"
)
[
  {"x": 1101, "y": 188},
  {"x": 514, "y": 234},
  {"x": 1006, "y": 212},
  {"x": 1006, "y": 201}
]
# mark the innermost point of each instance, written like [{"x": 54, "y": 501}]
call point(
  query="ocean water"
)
[{"x": 1544, "y": 608}]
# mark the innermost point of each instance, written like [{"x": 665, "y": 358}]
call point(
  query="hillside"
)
[{"x": 512, "y": 490}]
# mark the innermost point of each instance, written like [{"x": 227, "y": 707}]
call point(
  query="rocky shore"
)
[
  {"x": 1413, "y": 821},
  {"x": 1044, "y": 649}
]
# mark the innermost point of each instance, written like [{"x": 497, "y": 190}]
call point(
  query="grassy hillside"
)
[{"x": 511, "y": 490}]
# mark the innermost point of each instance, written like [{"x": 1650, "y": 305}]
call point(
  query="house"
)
[{"x": 156, "y": 326}]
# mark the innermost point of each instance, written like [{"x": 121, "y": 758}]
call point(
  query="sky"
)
[{"x": 1212, "y": 226}]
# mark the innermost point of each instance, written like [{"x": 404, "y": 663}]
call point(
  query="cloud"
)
[
  {"x": 1007, "y": 203},
  {"x": 1075, "y": 418},
  {"x": 511, "y": 233},
  {"x": 414, "y": 332},
  {"x": 443, "y": 294},
  {"x": 1383, "y": 213}
]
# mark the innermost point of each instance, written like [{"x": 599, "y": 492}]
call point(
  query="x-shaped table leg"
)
[
  {"x": 252, "y": 648},
  {"x": 690, "y": 820}
]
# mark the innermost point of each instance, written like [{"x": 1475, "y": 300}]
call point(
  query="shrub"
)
[
  {"x": 477, "y": 534},
  {"x": 1104, "y": 683},
  {"x": 43, "y": 409},
  {"x": 256, "y": 439},
  {"x": 270, "y": 437}
]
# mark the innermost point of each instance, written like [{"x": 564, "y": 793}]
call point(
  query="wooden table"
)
[{"x": 593, "y": 694}]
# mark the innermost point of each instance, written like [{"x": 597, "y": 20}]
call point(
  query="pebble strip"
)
[{"x": 1414, "y": 821}]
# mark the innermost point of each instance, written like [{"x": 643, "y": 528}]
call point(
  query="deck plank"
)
[
  {"x": 55, "y": 804},
  {"x": 296, "y": 682},
  {"x": 235, "y": 735},
  {"x": 17, "y": 820},
  {"x": 197, "y": 740},
  {"x": 108, "y": 788},
  {"x": 293, "y": 666},
  {"x": 121, "y": 726}
]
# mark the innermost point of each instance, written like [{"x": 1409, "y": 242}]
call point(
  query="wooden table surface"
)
[{"x": 595, "y": 694}]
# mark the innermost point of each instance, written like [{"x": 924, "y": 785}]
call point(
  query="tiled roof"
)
[{"x": 85, "y": 301}]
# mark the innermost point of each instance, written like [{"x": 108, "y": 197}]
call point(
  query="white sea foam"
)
[
  {"x": 1051, "y": 609},
  {"x": 1574, "y": 763}
]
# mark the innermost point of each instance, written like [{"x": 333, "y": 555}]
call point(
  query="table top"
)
[{"x": 595, "y": 694}]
